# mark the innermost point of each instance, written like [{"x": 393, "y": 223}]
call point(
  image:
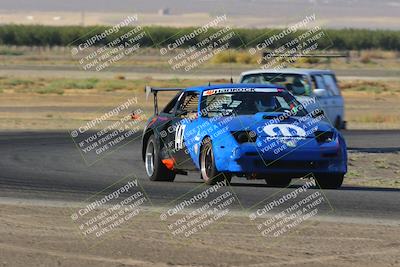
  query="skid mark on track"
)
[
  {"x": 329, "y": 258},
  {"x": 75, "y": 256}
]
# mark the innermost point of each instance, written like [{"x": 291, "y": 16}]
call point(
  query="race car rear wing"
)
[{"x": 148, "y": 90}]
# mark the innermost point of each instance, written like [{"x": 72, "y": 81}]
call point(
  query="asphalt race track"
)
[{"x": 48, "y": 166}]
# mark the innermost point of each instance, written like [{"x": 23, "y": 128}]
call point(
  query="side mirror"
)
[{"x": 320, "y": 92}]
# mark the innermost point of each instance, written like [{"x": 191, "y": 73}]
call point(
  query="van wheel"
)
[
  {"x": 276, "y": 181},
  {"x": 330, "y": 181},
  {"x": 338, "y": 123}
]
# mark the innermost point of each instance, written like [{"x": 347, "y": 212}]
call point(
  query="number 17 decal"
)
[{"x": 180, "y": 130}]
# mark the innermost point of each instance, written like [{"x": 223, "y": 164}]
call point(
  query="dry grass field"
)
[{"x": 31, "y": 103}]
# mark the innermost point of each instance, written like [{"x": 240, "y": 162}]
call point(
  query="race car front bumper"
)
[{"x": 298, "y": 161}]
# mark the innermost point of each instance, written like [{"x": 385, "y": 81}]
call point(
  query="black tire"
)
[
  {"x": 330, "y": 181},
  {"x": 278, "y": 181},
  {"x": 159, "y": 171},
  {"x": 338, "y": 123},
  {"x": 208, "y": 170}
]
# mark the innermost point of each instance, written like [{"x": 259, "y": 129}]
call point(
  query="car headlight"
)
[
  {"x": 324, "y": 137},
  {"x": 244, "y": 136}
]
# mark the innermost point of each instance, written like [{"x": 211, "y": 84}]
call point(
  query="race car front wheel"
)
[
  {"x": 155, "y": 169},
  {"x": 277, "y": 181},
  {"x": 330, "y": 181},
  {"x": 209, "y": 172}
]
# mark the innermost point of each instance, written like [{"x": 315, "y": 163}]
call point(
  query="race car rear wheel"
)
[
  {"x": 209, "y": 172},
  {"x": 330, "y": 181},
  {"x": 155, "y": 169},
  {"x": 277, "y": 181}
]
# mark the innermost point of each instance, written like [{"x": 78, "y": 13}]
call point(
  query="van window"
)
[
  {"x": 314, "y": 83},
  {"x": 297, "y": 84},
  {"x": 330, "y": 83},
  {"x": 319, "y": 82}
]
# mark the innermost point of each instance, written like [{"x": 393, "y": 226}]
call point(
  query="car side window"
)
[
  {"x": 318, "y": 81},
  {"x": 313, "y": 83},
  {"x": 330, "y": 83},
  {"x": 188, "y": 104},
  {"x": 169, "y": 108},
  {"x": 297, "y": 84},
  {"x": 282, "y": 103}
]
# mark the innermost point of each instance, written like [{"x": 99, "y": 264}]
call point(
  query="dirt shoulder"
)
[
  {"x": 46, "y": 236},
  {"x": 373, "y": 169}
]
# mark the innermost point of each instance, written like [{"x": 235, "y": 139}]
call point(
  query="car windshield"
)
[
  {"x": 221, "y": 102},
  {"x": 297, "y": 84}
]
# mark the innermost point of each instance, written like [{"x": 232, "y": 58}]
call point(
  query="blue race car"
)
[{"x": 245, "y": 130}]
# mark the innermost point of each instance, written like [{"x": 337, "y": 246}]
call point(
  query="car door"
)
[
  {"x": 335, "y": 100},
  {"x": 186, "y": 111},
  {"x": 317, "y": 82}
]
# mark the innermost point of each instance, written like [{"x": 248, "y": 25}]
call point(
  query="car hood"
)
[{"x": 275, "y": 125}]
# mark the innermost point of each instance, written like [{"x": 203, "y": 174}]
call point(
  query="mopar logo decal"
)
[{"x": 286, "y": 130}]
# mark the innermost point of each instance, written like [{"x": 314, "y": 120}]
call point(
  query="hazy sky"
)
[
  {"x": 256, "y": 7},
  {"x": 364, "y": 13}
]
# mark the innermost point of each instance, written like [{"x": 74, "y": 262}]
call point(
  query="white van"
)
[{"x": 306, "y": 83}]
